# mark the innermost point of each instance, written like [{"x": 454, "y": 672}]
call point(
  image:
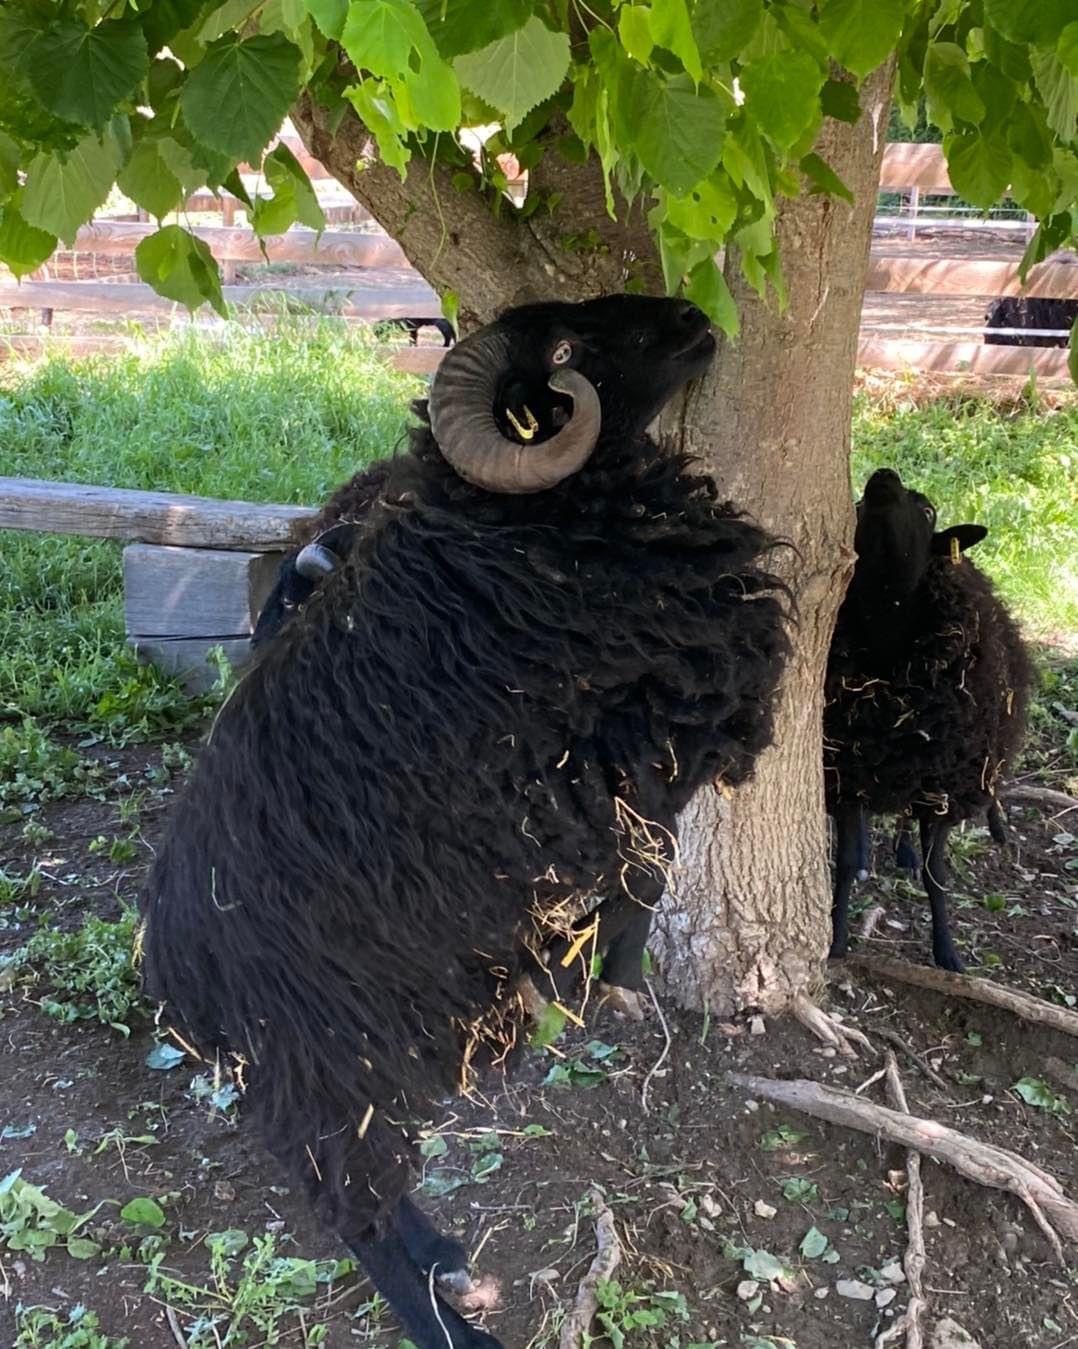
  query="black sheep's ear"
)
[{"x": 965, "y": 536}]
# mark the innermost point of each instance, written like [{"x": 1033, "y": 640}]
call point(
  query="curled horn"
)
[{"x": 461, "y": 408}]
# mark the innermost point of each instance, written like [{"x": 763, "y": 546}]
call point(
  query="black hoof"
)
[
  {"x": 838, "y": 950},
  {"x": 949, "y": 959},
  {"x": 455, "y": 1281}
]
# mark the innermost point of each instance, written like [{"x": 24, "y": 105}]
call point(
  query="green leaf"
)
[
  {"x": 180, "y": 163},
  {"x": 813, "y": 1244},
  {"x": 81, "y": 73},
  {"x": 180, "y": 267},
  {"x": 10, "y": 158},
  {"x": 23, "y": 248},
  {"x": 163, "y": 1057},
  {"x": 329, "y": 15},
  {"x": 800, "y": 1191},
  {"x": 430, "y": 99},
  {"x": 707, "y": 211},
  {"x": 634, "y": 29},
  {"x": 435, "y": 1146},
  {"x": 1059, "y": 89},
  {"x": 548, "y": 1026},
  {"x": 517, "y": 72},
  {"x": 862, "y": 33},
  {"x": 679, "y": 129},
  {"x": 762, "y": 1265},
  {"x": 840, "y": 101},
  {"x": 948, "y": 87},
  {"x": 724, "y": 28},
  {"x": 1067, "y": 48},
  {"x": 147, "y": 179},
  {"x": 63, "y": 191},
  {"x": 671, "y": 28},
  {"x": 707, "y": 287},
  {"x": 782, "y": 95},
  {"x": 293, "y": 197},
  {"x": 378, "y": 113},
  {"x": 236, "y": 98},
  {"x": 459, "y": 26},
  {"x": 381, "y": 35},
  {"x": 1072, "y": 353},
  {"x": 165, "y": 18},
  {"x": 82, "y": 1248},
  {"x": 1037, "y": 1093},
  {"x": 439, "y": 1183},
  {"x": 1038, "y": 21},
  {"x": 979, "y": 166},
  {"x": 824, "y": 178},
  {"x": 143, "y": 1211}
]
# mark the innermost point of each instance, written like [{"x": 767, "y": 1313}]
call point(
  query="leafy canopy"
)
[{"x": 707, "y": 110}]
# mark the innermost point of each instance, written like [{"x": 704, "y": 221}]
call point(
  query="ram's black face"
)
[
  {"x": 636, "y": 350},
  {"x": 896, "y": 538}
]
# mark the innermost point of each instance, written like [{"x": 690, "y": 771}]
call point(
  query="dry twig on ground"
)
[
  {"x": 1023, "y": 1005},
  {"x": 607, "y": 1258},
  {"x": 910, "y": 1322},
  {"x": 1054, "y": 1212}
]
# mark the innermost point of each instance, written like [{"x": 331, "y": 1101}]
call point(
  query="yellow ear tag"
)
[
  {"x": 524, "y": 432},
  {"x": 956, "y": 552}
]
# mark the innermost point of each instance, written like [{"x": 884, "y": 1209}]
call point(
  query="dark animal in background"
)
[
  {"x": 1013, "y": 311},
  {"x": 542, "y": 635},
  {"x": 384, "y": 328},
  {"x": 926, "y": 695}
]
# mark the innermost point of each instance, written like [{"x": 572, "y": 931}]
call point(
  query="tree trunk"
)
[{"x": 748, "y": 920}]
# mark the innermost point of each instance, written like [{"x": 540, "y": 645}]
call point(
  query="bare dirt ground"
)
[{"x": 742, "y": 1225}]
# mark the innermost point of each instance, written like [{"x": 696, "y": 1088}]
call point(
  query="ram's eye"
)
[
  {"x": 929, "y": 512},
  {"x": 562, "y": 352}
]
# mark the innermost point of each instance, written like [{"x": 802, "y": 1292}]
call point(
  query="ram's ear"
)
[{"x": 964, "y": 536}]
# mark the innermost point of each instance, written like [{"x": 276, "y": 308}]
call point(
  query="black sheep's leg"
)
[
  {"x": 848, "y": 824},
  {"x": 427, "y": 1319},
  {"x": 431, "y": 1250},
  {"x": 905, "y": 853},
  {"x": 997, "y": 825},
  {"x": 935, "y": 875},
  {"x": 623, "y": 961}
]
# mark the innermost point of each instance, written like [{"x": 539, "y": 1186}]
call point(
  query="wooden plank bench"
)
[{"x": 197, "y": 570}]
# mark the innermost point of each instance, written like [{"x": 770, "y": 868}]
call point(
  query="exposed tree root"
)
[
  {"x": 969, "y": 986},
  {"x": 1044, "y": 796},
  {"x": 910, "y": 1322},
  {"x": 662, "y": 1057},
  {"x": 577, "y": 1324},
  {"x": 826, "y": 1028},
  {"x": 1054, "y": 1212},
  {"x": 894, "y": 1038}
]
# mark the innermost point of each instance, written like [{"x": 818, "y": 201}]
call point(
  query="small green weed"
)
[
  {"x": 624, "y": 1310},
  {"x": 88, "y": 971},
  {"x": 33, "y": 1223},
  {"x": 251, "y": 1288},
  {"x": 34, "y": 768},
  {"x": 42, "y": 1328}
]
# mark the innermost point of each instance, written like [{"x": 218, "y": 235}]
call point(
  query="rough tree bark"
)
[
  {"x": 747, "y": 923},
  {"x": 749, "y": 920}
]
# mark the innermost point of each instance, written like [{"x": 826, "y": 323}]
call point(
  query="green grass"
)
[
  {"x": 1014, "y": 471},
  {"x": 262, "y": 417}
]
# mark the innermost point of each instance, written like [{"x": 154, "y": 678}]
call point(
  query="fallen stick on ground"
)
[
  {"x": 824, "y": 1026},
  {"x": 1045, "y": 796},
  {"x": 910, "y": 1322},
  {"x": 918, "y": 1060},
  {"x": 662, "y": 1057},
  {"x": 607, "y": 1258},
  {"x": 1054, "y": 1212},
  {"x": 1023, "y": 1005}
]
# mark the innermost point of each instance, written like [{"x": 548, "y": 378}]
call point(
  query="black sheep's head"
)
[
  {"x": 520, "y": 405},
  {"x": 897, "y": 538}
]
